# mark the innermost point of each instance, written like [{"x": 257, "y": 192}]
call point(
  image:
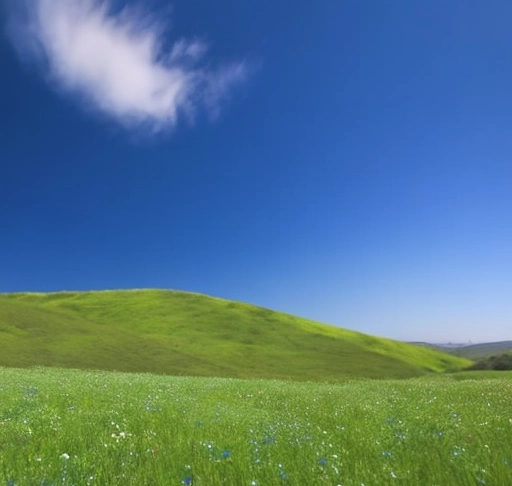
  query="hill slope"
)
[{"x": 182, "y": 333}]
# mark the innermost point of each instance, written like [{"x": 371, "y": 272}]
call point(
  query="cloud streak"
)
[{"x": 118, "y": 62}]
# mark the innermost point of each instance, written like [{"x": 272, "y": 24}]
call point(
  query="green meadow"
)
[
  {"x": 70, "y": 427},
  {"x": 151, "y": 387}
]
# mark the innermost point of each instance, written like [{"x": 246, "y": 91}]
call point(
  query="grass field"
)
[
  {"x": 64, "y": 427},
  {"x": 179, "y": 333}
]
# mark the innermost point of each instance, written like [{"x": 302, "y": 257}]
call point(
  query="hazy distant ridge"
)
[{"x": 480, "y": 350}]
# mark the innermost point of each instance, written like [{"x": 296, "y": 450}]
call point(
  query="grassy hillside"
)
[{"x": 183, "y": 333}]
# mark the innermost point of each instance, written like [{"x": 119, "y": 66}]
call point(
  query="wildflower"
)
[
  {"x": 386, "y": 453},
  {"x": 226, "y": 454},
  {"x": 187, "y": 481},
  {"x": 322, "y": 462},
  {"x": 64, "y": 456},
  {"x": 458, "y": 451}
]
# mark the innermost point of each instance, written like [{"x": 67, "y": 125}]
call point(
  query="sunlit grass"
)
[
  {"x": 61, "y": 427},
  {"x": 179, "y": 333}
]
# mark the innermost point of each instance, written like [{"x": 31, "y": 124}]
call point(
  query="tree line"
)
[{"x": 496, "y": 362}]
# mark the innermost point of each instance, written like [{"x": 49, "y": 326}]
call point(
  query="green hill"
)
[{"x": 180, "y": 333}]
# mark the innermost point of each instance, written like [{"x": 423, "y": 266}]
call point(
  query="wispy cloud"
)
[{"x": 119, "y": 62}]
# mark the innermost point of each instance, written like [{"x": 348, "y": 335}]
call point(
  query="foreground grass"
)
[
  {"x": 180, "y": 333},
  {"x": 62, "y": 427}
]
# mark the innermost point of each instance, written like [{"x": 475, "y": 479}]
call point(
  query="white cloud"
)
[{"x": 118, "y": 63}]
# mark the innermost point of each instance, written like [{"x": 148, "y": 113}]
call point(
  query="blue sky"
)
[{"x": 347, "y": 161}]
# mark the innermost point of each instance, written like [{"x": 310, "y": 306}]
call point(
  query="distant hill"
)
[
  {"x": 477, "y": 351},
  {"x": 181, "y": 333}
]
